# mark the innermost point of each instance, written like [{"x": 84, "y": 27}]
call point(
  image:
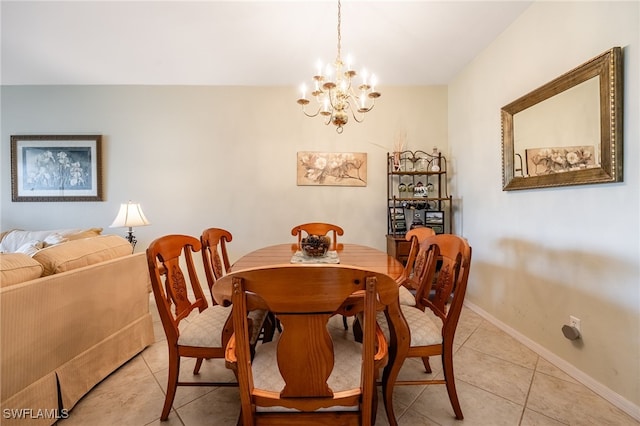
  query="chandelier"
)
[{"x": 337, "y": 98}]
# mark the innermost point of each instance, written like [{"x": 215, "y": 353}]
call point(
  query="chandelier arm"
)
[
  {"x": 311, "y": 115},
  {"x": 355, "y": 117}
]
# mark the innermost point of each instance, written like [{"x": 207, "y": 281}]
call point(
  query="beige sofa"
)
[{"x": 70, "y": 314}]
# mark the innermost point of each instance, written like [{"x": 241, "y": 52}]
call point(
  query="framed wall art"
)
[
  {"x": 56, "y": 168},
  {"x": 397, "y": 220},
  {"x": 332, "y": 168},
  {"x": 434, "y": 218}
]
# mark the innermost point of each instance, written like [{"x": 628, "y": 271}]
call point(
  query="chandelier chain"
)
[{"x": 339, "y": 32}]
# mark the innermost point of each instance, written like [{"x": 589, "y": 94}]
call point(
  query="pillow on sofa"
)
[
  {"x": 17, "y": 268},
  {"x": 78, "y": 253},
  {"x": 16, "y": 238},
  {"x": 30, "y": 248},
  {"x": 53, "y": 239}
]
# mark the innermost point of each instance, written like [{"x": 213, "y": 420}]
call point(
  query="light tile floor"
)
[{"x": 499, "y": 382}]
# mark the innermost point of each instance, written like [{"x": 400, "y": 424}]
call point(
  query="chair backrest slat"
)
[{"x": 417, "y": 266}]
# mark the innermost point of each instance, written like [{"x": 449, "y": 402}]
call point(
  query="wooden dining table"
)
[
  {"x": 279, "y": 254},
  {"x": 348, "y": 254}
]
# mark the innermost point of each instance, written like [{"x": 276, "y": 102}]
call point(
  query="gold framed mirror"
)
[{"x": 567, "y": 132}]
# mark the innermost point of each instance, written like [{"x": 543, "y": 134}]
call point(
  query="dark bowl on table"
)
[{"x": 315, "y": 246}]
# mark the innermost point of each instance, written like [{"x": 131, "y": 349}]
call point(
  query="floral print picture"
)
[
  {"x": 332, "y": 168},
  {"x": 55, "y": 168},
  {"x": 547, "y": 161}
]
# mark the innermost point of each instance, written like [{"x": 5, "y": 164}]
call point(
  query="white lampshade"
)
[{"x": 130, "y": 215}]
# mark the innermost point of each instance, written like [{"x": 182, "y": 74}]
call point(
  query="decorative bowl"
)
[{"x": 315, "y": 245}]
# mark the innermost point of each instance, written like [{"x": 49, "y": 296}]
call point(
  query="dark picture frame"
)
[
  {"x": 56, "y": 168},
  {"x": 397, "y": 220},
  {"x": 434, "y": 218}
]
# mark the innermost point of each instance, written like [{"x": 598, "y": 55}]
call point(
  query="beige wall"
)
[
  {"x": 542, "y": 255},
  {"x": 216, "y": 156}
]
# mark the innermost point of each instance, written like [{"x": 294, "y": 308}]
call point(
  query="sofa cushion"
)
[
  {"x": 84, "y": 252},
  {"x": 18, "y": 267},
  {"x": 14, "y": 239}
]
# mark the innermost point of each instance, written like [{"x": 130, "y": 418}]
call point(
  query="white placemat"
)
[{"x": 330, "y": 257}]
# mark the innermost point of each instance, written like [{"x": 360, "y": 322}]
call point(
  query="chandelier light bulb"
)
[{"x": 349, "y": 63}]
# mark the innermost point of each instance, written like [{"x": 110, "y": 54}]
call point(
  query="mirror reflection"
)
[{"x": 560, "y": 134}]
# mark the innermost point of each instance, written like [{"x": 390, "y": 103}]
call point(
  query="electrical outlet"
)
[{"x": 574, "y": 322}]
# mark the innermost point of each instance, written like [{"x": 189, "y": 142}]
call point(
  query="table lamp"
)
[{"x": 130, "y": 215}]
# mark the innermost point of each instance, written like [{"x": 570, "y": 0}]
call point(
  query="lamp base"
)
[{"x": 132, "y": 239}]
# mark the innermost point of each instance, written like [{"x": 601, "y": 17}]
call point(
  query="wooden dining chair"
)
[
  {"x": 215, "y": 259},
  {"x": 313, "y": 374},
  {"x": 192, "y": 327},
  {"x": 415, "y": 270},
  {"x": 433, "y": 320},
  {"x": 318, "y": 228}
]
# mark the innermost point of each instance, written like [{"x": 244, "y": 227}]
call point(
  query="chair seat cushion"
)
[
  {"x": 406, "y": 297},
  {"x": 204, "y": 329},
  {"x": 425, "y": 327},
  {"x": 345, "y": 374}
]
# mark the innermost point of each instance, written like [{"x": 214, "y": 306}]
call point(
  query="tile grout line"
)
[{"x": 526, "y": 399}]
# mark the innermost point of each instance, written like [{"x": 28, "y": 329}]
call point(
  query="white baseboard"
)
[{"x": 622, "y": 403}]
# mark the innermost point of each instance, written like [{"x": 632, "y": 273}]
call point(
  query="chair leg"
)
[
  {"x": 389, "y": 377},
  {"x": 357, "y": 330},
  {"x": 196, "y": 369},
  {"x": 447, "y": 365},
  {"x": 172, "y": 383},
  {"x": 427, "y": 366},
  {"x": 269, "y": 328}
]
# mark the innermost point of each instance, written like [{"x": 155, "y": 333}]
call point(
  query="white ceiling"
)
[{"x": 242, "y": 42}]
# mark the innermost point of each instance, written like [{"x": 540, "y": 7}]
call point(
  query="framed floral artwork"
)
[
  {"x": 547, "y": 161},
  {"x": 332, "y": 168},
  {"x": 56, "y": 168}
]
